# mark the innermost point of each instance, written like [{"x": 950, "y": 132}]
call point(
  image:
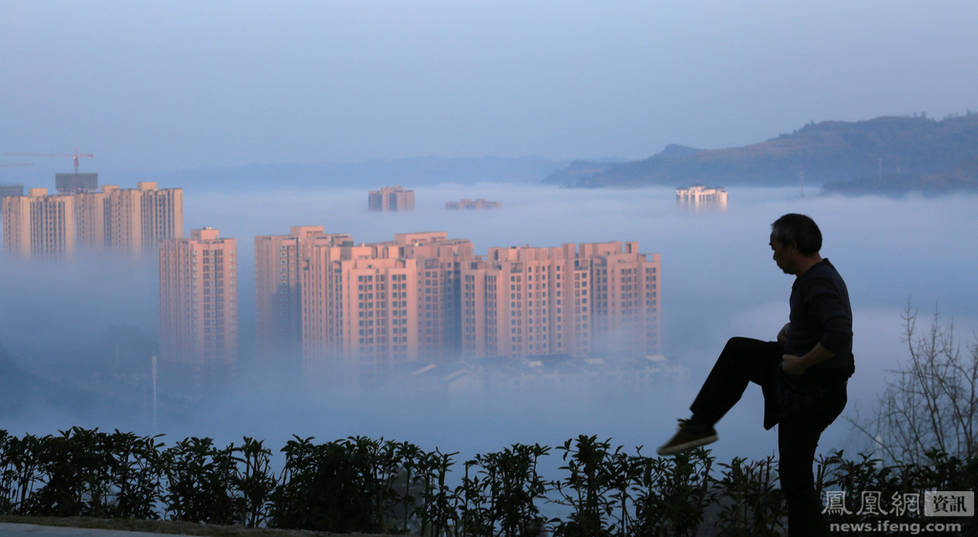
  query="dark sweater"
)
[{"x": 820, "y": 313}]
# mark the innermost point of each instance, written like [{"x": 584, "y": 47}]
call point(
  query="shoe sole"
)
[{"x": 686, "y": 446}]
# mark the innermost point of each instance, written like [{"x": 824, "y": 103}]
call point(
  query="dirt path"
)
[{"x": 11, "y": 526}]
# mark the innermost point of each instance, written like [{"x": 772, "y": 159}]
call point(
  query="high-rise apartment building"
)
[
  {"x": 137, "y": 219},
  {"x": 423, "y": 296},
  {"x": 624, "y": 298},
  {"x": 391, "y": 198},
  {"x": 377, "y": 305},
  {"x": 199, "y": 300},
  {"x": 521, "y": 301},
  {"x": 16, "y": 214},
  {"x": 439, "y": 262},
  {"x": 52, "y": 226},
  {"x": 124, "y": 223},
  {"x": 598, "y": 297},
  {"x": 379, "y": 296},
  {"x": 359, "y": 306},
  {"x": 39, "y": 225},
  {"x": 131, "y": 221},
  {"x": 90, "y": 220},
  {"x": 278, "y": 262},
  {"x": 161, "y": 215}
]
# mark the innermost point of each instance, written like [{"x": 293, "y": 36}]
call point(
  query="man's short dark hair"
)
[{"x": 799, "y": 230}]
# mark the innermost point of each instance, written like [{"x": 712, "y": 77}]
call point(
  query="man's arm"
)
[{"x": 796, "y": 365}]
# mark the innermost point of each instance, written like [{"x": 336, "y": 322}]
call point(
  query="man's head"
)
[{"x": 796, "y": 240}]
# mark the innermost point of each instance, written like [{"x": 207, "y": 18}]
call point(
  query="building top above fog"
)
[
  {"x": 390, "y": 198},
  {"x": 699, "y": 197},
  {"x": 74, "y": 183},
  {"x": 466, "y": 203}
]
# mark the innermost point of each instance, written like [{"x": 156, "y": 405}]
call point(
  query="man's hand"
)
[
  {"x": 792, "y": 365},
  {"x": 783, "y": 334}
]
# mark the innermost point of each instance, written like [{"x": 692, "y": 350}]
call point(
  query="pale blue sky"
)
[{"x": 154, "y": 85}]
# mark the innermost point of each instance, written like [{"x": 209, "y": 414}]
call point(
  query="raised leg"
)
[{"x": 742, "y": 361}]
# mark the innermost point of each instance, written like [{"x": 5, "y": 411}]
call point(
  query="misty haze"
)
[{"x": 718, "y": 281}]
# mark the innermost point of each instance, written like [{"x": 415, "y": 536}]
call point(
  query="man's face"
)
[{"x": 784, "y": 255}]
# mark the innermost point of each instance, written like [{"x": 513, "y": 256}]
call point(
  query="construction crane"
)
[{"x": 74, "y": 156}]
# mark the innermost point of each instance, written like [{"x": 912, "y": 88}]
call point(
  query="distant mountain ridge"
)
[{"x": 885, "y": 154}]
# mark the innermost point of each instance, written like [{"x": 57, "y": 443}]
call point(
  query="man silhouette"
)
[{"x": 802, "y": 375}]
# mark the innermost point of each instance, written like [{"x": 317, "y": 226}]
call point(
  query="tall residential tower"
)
[
  {"x": 199, "y": 301},
  {"x": 39, "y": 225},
  {"x": 278, "y": 264}
]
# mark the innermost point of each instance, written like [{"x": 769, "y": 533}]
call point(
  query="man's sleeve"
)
[{"x": 827, "y": 308}]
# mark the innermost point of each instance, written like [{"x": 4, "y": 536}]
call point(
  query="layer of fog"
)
[{"x": 718, "y": 281}]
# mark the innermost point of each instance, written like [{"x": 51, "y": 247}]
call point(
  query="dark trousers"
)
[{"x": 744, "y": 361}]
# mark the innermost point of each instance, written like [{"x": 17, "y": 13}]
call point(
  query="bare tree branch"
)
[{"x": 931, "y": 400}]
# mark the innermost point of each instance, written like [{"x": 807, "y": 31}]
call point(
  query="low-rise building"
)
[{"x": 466, "y": 203}]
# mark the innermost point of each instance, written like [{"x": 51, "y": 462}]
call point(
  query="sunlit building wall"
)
[
  {"x": 130, "y": 221},
  {"x": 16, "y": 213},
  {"x": 438, "y": 261},
  {"x": 426, "y": 297},
  {"x": 199, "y": 300},
  {"x": 124, "y": 223},
  {"x": 321, "y": 295},
  {"x": 379, "y": 328},
  {"x": 595, "y": 298},
  {"x": 278, "y": 311},
  {"x": 39, "y": 225},
  {"x": 161, "y": 215},
  {"x": 521, "y": 301},
  {"x": 359, "y": 306},
  {"x": 90, "y": 224},
  {"x": 625, "y": 298}
]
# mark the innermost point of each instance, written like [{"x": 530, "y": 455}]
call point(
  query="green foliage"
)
[
  {"x": 356, "y": 484},
  {"x": 586, "y": 487},
  {"x": 359, "y": 484},
  {"x": 672, "y": 493},
  {"x": 81, "y": 472},
  {"x": 19, "y": 463},
  {"x": 201, "y": 481},
  {"x": 8, "y": 475},
  {"x": 751, "y": 502},
  {"x": 135, "y": 475},
  {"x": 256, "y": 482},
  {"x": 74, "y": 469},
  {"x": 501, "y": 497}
]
